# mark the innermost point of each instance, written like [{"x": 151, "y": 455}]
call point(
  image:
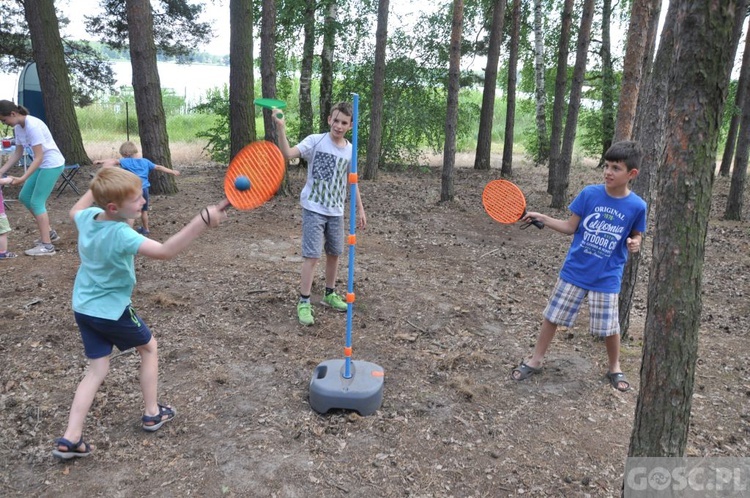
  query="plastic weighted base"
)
[{"x": 362, "y": 392}]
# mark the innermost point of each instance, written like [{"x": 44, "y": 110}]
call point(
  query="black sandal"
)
[
  {"x": 71, "y": 449},
  {"x": 524, "y": 371},
  {"x": 156, "y": 421},
  {"x": 617, "y": 378}
]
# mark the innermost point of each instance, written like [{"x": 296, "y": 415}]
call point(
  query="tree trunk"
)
[
  {"x": 540, "y": 91},
  {"x": 739, "y": 102},
  {"x": 699, "y": 74},
  {"x": 451, "y": 119},
  {"x": 641, "y": 15},
  {"x": 152, "y": 122},
  {"x": 608, "y": 80},
  {"x": 378, "y": 92},
  {"x": 306, "y": 70},
  {"x": 562, "y": 171},
  {"x": 326, "y": 65},
  {"x": 482, "y": 159},
  {"x": 268, "y": 63},
  {"x": 648, "y": 130},
  {"x": 241, "y": 92},
  {"x": 510, "y": 113},
  {"x": 57, "y": 94},
  {"x": 561, "y": 83},
  {"x": 733, "y": 210}
]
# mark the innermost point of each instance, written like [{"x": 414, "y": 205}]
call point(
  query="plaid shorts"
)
[{"x": 565, "y": 303}]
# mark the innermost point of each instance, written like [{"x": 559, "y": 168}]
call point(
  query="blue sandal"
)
[
  {"x": 152, "y": 423},
  {"x": 71, "y": 449}
]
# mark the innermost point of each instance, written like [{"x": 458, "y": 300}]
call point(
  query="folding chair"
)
[{"x": 66, "y": 178}]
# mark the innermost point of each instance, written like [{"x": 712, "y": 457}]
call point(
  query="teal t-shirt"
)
[{"x": 105, "y": 280}]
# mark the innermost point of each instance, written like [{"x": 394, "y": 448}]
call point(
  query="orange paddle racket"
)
[
  {"x": 254, "y": 175},
  {"x": 505, "y": 203}
]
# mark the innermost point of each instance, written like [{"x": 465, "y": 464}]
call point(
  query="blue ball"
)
[{"x": 242, "y": 183}]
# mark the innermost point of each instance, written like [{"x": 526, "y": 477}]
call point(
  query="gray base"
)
[{"x": 362, "y": 392}]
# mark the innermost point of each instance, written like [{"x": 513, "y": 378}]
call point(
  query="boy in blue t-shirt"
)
[
  {"x": 102, "y": 293},
  {"x": 607, "y": 222},
  {"x": 132, "y": 162}
]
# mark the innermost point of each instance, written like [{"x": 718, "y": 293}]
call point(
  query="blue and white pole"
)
[{"x": 352, "y": 239}]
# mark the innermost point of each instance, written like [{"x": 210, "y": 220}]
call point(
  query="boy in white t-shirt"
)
[{"x": 328, "y": 156}]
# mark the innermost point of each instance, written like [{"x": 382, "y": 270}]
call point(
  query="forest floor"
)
[{"x": 447, "y": 302}]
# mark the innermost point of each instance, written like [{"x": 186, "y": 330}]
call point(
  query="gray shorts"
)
[{"x": 317, "y": 229}]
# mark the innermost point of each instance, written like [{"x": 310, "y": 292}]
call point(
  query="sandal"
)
[
  {"x": 8, "y": 255},
  {"x": 616, "y": 379},
  {"x": 152, "y": 423},
  {"x": 71, "y": 449},
  {"x": 524, "y": 371}
]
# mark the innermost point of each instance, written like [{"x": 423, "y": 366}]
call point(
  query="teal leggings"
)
[{"x": 37, "y": 189}]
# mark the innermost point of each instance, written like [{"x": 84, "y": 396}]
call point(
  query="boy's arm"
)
[
  {"x": 361, "y": 217},
  {"x": 210, "y": 216},
  {"x": 84, "y": 202},
  {"x": 164, "y": 169},
  {"x": 634, "y": 241},
  {"x": 568, "y": 227},
  {"x": 289, "y": 152}
]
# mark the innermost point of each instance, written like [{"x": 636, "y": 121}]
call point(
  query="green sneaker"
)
[
  {"x": 305, "y": 313},
  {"x": 334, "y": 301}
]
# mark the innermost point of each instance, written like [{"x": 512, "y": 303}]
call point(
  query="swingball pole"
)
[
  {"x": 352, "y": 385},
  {"x": 352, "y": 239}
]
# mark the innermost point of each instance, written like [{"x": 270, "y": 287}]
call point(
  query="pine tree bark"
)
[
  {"x": 506, "y": 170},
  {"x": 482, "y": 159},
  {"x": 57, "y": 94},
  {"x": 608, "y": 79},
  {"x": 451, "y": 119},
  {"x": 152, "y": 121},
  {"x": 641, "y": 16},
  {"x": 561, "y": 83},
  {"x": 306, "y": 71},
  {"x": 540, "y": 91},
  {"x": 241, "y": 84},
  {"x": 378, "y": 93},
  {"x": 562, "y": 170},
  {"x": 739, "y": 103},
  {"x": 268, "y": 63},
  {"x": 326, "y": 65},
  {"x": 698, "y": 83}
]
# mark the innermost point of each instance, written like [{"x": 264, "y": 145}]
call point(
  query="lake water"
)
[{"x": 191, "y": 81}]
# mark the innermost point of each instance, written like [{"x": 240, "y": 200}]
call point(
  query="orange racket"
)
[
  {"x": 254, "y": 175},
  {"x": 505, "y": 203}
]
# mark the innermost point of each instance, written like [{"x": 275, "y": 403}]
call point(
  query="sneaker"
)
[
  {"x": 53, "y": 237},
  {"x": 41, "y": 250},
  {"x": 305, "y": 313},
  {"x": 143, "y": 231},
  {"x": 7, "y": 255},
  {"x": 334, "y": 301}
]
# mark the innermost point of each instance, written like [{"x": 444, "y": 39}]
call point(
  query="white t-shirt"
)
[
  {"x": 327, "y": 172},
  {"x": 35, "y": 132}
]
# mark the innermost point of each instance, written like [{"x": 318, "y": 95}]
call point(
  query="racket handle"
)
[{"x": 535, "y": 222}]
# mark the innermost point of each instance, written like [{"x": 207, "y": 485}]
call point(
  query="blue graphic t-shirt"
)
[
  {"x": 328, "y": 167},
  {"x": 598, "y": 253},
  {"x": 140, "y": 166}
]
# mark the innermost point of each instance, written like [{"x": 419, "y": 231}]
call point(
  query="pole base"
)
[{"x": 362, "y": 392}]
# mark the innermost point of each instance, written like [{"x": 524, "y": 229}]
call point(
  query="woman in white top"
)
[{"x": 40, "y": 177}]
